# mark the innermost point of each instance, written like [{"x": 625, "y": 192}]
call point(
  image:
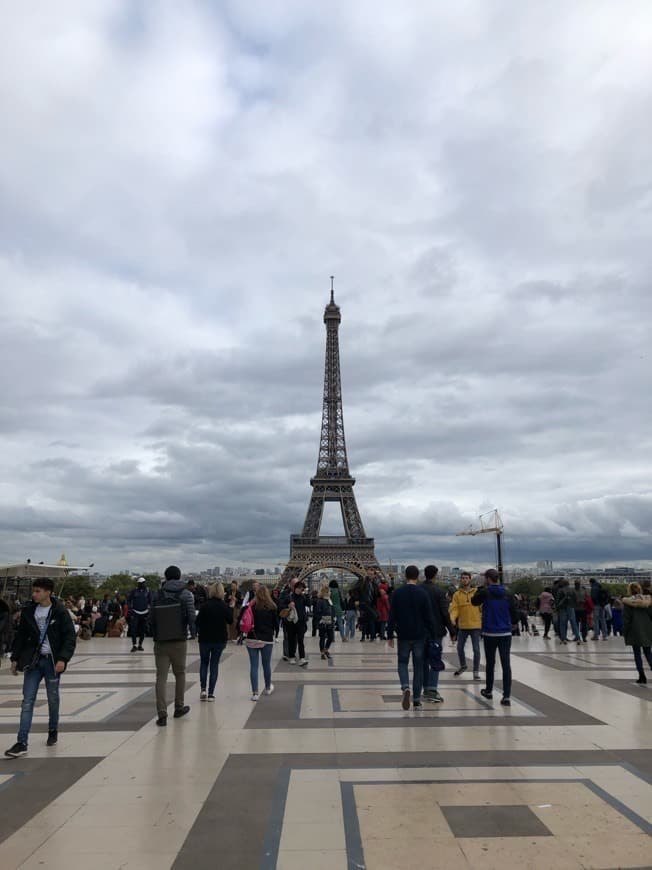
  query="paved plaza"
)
[{"x": 329, "y": 773}]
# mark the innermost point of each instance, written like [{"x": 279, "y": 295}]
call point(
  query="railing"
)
[{"x": 330, "y": 541}]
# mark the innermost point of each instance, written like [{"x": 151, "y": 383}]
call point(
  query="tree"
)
[
  {"x": 75, "y": 585},
  {"x": 120, "y": 583},
  {"x": 528, "y": 587}
]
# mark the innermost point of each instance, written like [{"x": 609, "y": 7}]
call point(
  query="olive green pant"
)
[{"x": 170, "y": 653}]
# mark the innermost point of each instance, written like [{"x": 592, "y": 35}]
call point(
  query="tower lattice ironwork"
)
[{"x": 333, "y": 482}]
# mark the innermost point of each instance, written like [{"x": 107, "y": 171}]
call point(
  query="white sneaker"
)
[
  {"x": 293, "y": 661},
  {"x": 303, "y": 663},
  {"x": 254, "y": 697},
  {"x": 270, "y": 690},
  {"x": 203, "y": 695}
]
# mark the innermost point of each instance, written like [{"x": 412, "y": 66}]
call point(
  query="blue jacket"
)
[{"x": 498, "y": 610}]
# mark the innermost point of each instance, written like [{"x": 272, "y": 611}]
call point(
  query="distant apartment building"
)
[
  {"x": 544, "y": 566},
  {"x": 619, "y": 574}
]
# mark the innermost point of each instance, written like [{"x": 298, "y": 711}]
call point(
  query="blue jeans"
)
[
  {"x": 567, "y": 614},
  {"x": 210, "y": 654},
  {"x": 599, "y": 622},
  {"x": 351, "y": 619},
  {"x": 339, "y": 619},
  {"x": 474, "y": 634},
  {"x": 416, "y": 648},
  {"x": 44, "y": 670},
  {"x": 264, "y": 655}
]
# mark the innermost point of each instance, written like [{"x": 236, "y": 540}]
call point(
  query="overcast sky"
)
[{"x": 178, "y": 181}]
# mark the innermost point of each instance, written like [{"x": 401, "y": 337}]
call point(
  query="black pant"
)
[
  {"x": 326, "y": 635},
  {"x": 547, "y": 622},
  {"x": 296, "y": 631},
  {"x": 503, "y": 645},
  {"x": 138, "y": 626},
  {"x": 638, "y": 659}
]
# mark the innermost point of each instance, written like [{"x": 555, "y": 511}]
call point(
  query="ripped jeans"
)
[{"x": 44, "y": 670}]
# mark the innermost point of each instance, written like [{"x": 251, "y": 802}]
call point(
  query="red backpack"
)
[{"x": 247, "y": 620}]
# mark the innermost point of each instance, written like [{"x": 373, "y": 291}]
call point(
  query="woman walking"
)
[
  {"x": 260, "y": 640},
  {"x": 324, "y": 614},
  {"x": 213, "y": 620},
  {"x": 336, "y": 601},
  {"x": 234, "y": 599},
  {"x": 350, "y": 617},
  {"x": 617, "y": 616},
  {"x": 637, "y": 628},
  {"x": 546, "y": 602},
  {"x": 296, "y": 623}
]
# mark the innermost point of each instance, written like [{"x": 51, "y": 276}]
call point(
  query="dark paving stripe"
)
[
  {"x": 490, "y": 821},
  {"x": 131, "y": 717},
  {"x": 38, "y": 783},
  {"x": 628, "y": 687},
  {"x": 281, "y": 710},
  {"x": 243, "y": 803}
]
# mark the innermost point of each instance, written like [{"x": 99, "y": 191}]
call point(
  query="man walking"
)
[
  {"x": 173, "y": 616},
  {"x": 468, "y": 619},
  {"x": 410, "y": 616},
  {"x": 498, "y": 616},
  {"x": 43, "y": 646},
  {"x": 432, "y": 660},
  {"x": 600, "y": 598},
  {"x": 139, "y": 602},
  {"x": 566, "y": 604}
]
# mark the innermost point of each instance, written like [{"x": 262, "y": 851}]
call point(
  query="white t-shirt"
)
[{"x": 41, "y": 615}]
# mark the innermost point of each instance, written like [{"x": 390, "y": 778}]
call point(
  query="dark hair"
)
[
  {"x": 411, "y": 572},
  {"x": 333, "y": 584},
  {"x": 430, "y": 571},
  {"x": 190, "y": 583},
  {"x": 492, "y": 575},
  {"x": 172, "y": 573},
  {"x": 43, "y": 583},
  {"x": 548, "y": 589}
]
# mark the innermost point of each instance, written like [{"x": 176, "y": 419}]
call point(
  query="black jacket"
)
[
  {"x": 323, "y": 608},
  {"x": 300, "y": 604},
  {"x": 61, "y": 635},
  {"x": 264, "y": 624},
  {"x": 440, "y": 612},
  {"x": 213, "y": 617}
]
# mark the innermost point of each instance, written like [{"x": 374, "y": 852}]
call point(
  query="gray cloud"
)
[{"x": 173, "y": 197}]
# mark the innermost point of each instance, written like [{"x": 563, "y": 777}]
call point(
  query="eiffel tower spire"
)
[
  {"x": 332, "y": 461},
  {"x": 332, "y": 482}
]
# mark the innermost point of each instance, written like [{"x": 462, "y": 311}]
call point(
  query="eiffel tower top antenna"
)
[{"x": 332, "y": 290}]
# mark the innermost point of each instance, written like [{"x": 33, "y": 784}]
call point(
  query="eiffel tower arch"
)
[{"x": 310, "y": 551}]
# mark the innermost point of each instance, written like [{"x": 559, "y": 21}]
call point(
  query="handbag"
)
[
  {"x": 326, "y": 620},
  {"x": 433, "y": 655},
  {"x": 254, "y": 643},
  {"x": 284, "y": 613},
  {"x": 292, "y": 616}
]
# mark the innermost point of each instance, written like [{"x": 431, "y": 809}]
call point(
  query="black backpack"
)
[
  {"x": 168, "y": 622},
  {"x": 603, "y": 597}
]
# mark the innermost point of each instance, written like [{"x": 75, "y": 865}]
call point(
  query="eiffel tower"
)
[{"x": 310, "y": 551}]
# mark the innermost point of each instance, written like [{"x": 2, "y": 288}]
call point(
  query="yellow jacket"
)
[{"x": 461, "y": 610}]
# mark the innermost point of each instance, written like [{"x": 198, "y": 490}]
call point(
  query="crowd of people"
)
[{"x": 415, "y": 616}]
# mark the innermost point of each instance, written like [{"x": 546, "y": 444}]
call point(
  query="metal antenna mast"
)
[{"x": 490, "y": 524}]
